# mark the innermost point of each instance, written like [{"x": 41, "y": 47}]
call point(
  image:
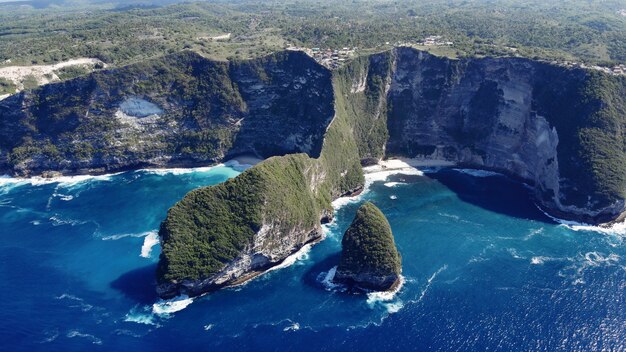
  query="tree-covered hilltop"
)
[{"x": 369, "y": 257}]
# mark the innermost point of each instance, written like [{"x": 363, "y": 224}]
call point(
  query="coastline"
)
[{"x": 240, "y": 164}]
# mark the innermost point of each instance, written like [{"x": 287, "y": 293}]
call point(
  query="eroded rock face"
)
[
  {"x": 500, "y": 114},
  {"x": 369, "y": 257},
  {"x": 181, "y": 110}
]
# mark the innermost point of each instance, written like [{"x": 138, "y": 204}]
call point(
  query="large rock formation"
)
[
  {"x": 179, "y": 110},
  {"x": 369, "y": 257},
  {"x": 558, "y": 129}
]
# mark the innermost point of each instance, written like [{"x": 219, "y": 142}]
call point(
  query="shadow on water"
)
[
  {"x": 138, "y": 284},
  {"x": 497, "y": 193}
]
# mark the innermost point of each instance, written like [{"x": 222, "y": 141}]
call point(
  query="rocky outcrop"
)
[{"x": 369, "y": 257}]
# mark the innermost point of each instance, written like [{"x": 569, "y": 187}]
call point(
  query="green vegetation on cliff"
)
[
  {"x": 211, "y": 226},
  {"x": 209, "y": 108},
  {"x": 588, "y": 109},
  {"x": 368, "y": 247},
  {"x": 363, "y": 84}
]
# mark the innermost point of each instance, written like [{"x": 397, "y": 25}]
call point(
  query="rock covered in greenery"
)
[{"x": 369, "y": 257}]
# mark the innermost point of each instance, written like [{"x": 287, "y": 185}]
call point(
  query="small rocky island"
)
[{"x": 369, "y": 257}]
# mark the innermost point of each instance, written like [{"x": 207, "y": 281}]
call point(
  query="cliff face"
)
[
  {"x": 524, "y": 118},
  {"x": 182, "y": 109},
  {"x": 560, "y": 130}
]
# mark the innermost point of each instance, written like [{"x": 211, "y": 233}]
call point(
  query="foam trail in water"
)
[
  {"x": 124, "y": 235},
  {"x": 430, "y": 280},
  {"x": 151, "y": 240},
  {"x": 76, "y": 333}
]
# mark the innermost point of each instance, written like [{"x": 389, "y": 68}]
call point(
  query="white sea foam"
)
[
  {"x": 60, "y": 222},
  {"x": 385, "y": 295},
  {"x": 166, "y": 307},
  {"x": 615, "y": 229},
  {"x": 514, "y": 253},
  {"x": 430, "y": 280},
  {"x": 479, "y": 173},
  {"x": 326, "y": 279},
  {"x": 139, "y": 318},
  {"x": 151, "y": 240},
  {"x": 387, "y": 299},
  {"x": 50, "y": 335},
  {"x": 208, "y": 327},
  {"x": 7, "y": 181},
  {"x": 292, "y": 327},
  {"x": 234, "y": 164},
  {"x": 393, "y": 184},
  {"x": 179, "y": 171},
  {"x": 301, "y": 255},
  {"x": 80, "y": 303},
  {"x": 538, "y": 260},
  {"x": 393, "y": 197},
  {"x": 597, "y": 259},
  {"x": 124, "y": 235},
  {"x": 379, "y": 172},
  {"x": 77, "y": 333},
  {"x": 533, "y": 233}
]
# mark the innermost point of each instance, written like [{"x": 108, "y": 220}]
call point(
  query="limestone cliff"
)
[
  {"x": 555, "y": 128},
  {"x": 180, "y": 110},
  {"x": 558, "y": 129}
]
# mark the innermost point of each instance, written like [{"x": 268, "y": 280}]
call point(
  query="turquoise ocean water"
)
[{"x": 484, "y": 270}]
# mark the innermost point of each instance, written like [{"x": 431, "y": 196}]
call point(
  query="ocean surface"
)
[{"x": 484, "y": 269}]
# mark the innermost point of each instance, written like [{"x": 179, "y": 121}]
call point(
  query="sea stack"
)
[{"x": 369, "y": 257}]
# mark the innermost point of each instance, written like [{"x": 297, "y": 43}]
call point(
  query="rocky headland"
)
[{"x": 558, "y": 129}]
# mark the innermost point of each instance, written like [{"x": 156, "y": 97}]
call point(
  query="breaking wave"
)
[
  {"x": 167, "y": 307},
  {"x": 151, "y": 240}
]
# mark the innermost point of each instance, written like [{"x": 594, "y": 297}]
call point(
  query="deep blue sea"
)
[{"x": 484, "y": 270}]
